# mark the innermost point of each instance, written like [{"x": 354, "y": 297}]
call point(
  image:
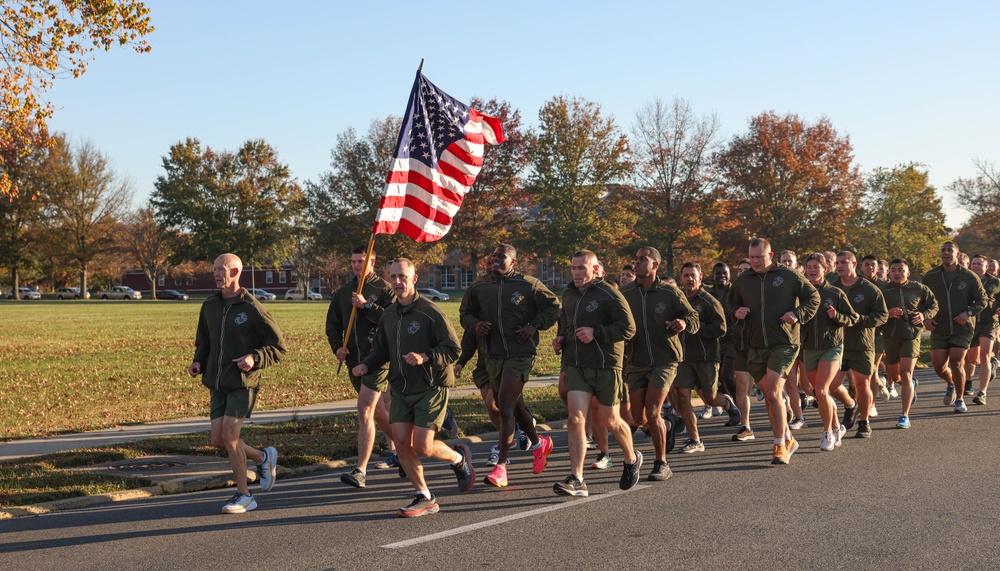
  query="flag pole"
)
[{"x": 361, "y": 286}]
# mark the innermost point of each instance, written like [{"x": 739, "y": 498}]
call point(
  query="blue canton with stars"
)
[{"x": 434, "y": 120}]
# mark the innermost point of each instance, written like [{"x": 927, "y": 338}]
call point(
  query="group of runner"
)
[{"x": 632, "y": 353}]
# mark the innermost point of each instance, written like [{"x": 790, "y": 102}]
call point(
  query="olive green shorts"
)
[
  {"x": 659, "y": 376},
  {"x": 740, "y": 361},
  {"x": 987, "y": 329},
  {"x": 879, "y": 342},
  {"x": 779, "y": 359},
  {"x": 961, "y": 340},
  {"x": 235, "y": 404},
  {"x": 702, "y": 375},
  {"x": 897, "y": 349},
  {"x": 426, "y": 409},
  {"x": 605, "y": 384},
  {"x": 859, "y": 361},
  {"x": 812, "y": 357},
  {"x": 518, "y": 367},
  {"x": 480, "y": 376},
  {"x": 727, "y": 349},
  {"x": 377, "y": 380}
]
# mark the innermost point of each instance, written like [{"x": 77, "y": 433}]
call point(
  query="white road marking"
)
[{"x": 505, "y": 519}]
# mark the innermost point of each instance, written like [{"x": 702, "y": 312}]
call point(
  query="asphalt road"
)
[{"x": 923, "y": 498}]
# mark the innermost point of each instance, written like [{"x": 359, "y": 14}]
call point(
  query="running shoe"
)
[
  {"x": 993, "y": 370},
  {"x": 355, "y": 478},
  {"x": 756, "y": 391},
  {"x": 733, "y": 411},
  {"x": 980, "y": 398},
  {"x": 949, "y": 395},
  {"x": 969, "y": 391},
  {"x": 266, "y": 469},
  {"x": 630, "y": 472},
  {"x": 914, "y": 399},
  {"x": 706, "y": 412},
  {"x": 450, "y": 426},
  {"x": 541, "y": 454},
  {"x": 674, "y": 428},
  {"x": 379, "y": 465},
  {"x": 494, "y": 457},
  {"x": 995, "y": 361},
  {"x": 464, "y": 472},
  {"x": 692, "y": 446},
  {"x": 743, "y": 434},
  {"x": 960, "y": 406},
  {"x": 903, "y": 422},
  {"x": 391, "y": 460},
  {"x": 874, "y": 412},
  {"x": 240, "y": 504},
  {"x": 791, "y": 446},
  {"x": 419, "y": 506},
  {"x": 827, "y": 442},
  {"x": 864, "y": 429},
  {"x": 571, "y": 487},
  {"x": 716, "y": 411},
  {"x": 498, "y": 477},
  {"x": 883, "y": 392},
  {"x": 660, "y": 472},
  {"x": 779, "y": 455},
  {"x": 603, "y": 462},
  {"x": 591, "y": 444},
  {"x": 841, "y": 431},
  {"x": 797, "y": 424},
  {"x": 893, "y": 393},
  {"x": 850, "y": 416}
]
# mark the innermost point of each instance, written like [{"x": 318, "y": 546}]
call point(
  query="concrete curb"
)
[{"x": 201, "y": 483}]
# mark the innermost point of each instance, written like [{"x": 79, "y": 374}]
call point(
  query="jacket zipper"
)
[
  {"x": 399, "y": 351},
  {"x": 503, "y": 338},
  {"x": 222, "y": 336},
  {"x": 763, "y": 325},
  {"x": 947, "y": 289},
  {"x": 645, "y": 326}
]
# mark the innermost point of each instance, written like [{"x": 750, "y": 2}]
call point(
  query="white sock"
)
[
  {"x": 538, "y": 444},
  {"x": 457, "y": 460},
  {"x": 779, "y": 441},
  {"x": 425, "y": 493},
  {"x": 362, "y": 470}
]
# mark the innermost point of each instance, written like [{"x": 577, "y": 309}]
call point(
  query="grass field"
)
[{"x": 72, "y": 366}]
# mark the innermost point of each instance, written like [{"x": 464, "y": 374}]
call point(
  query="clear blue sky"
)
[{"x": 914, "y": 81}]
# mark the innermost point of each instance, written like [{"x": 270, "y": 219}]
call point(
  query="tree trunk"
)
[
  {"x": 474, "y": 263},
  {"x": 83, "y": 282},
  {"x": 17, "y": 285}
]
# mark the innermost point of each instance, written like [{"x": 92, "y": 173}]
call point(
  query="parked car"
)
[
  {"x": 26, "y": 293},
  {"x": 432, "y": 294},
  {"x": 171, "y": 294},
  {"x": 299, "y": 294},
  {"x": 262, "y": 295},
  {"x": 71, "y": 293},
  {"x": 118, "y": 292}
]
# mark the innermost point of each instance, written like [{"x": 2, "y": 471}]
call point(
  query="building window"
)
[
  {"x": 269, "y": 277},
  {"x": 447, "y": 279},
  {"x": 281, "y": 277},
  {"x": 160, "y": 280},
  {"x": 295, "y": 277},
  {"x": 189, "y": 280},
  {"x": 467, "y": 277}
]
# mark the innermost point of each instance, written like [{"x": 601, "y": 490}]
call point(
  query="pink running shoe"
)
[
  {"x": 541, "y": 454},
  {"x": 498, "y": 477}
]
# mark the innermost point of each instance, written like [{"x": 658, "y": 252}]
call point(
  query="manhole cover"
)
[{"x": 149, "y": 466}]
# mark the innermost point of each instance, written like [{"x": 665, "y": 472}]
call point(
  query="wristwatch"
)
[
  {"x": 256, "y": 358},
  {"x": 368, "y": 305}
]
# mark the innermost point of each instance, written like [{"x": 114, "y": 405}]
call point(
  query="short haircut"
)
[
  {"x": 744, "y": 261},
  {"x": 974, "y": 256},
  {"x": 760, "y": 243},
  {"x": 510, "y": 250},
  {"x": 899, "y": 261},
  {"x": 720, "y": 265},
  {"x": 792, "y": 252},
  {"x": 362, "y": 250},
  {"x": 849, "y": 255},
  {"x": 588, "y": 255},
  {"x": 870, "y": 257},
  {"x": 652, "y": 253},
  {"x": 694, "y": 265},
  {"x": 629, "y": 268},
  {"x": 953, "y": 244},
  {"x": 405, "y": 263}
]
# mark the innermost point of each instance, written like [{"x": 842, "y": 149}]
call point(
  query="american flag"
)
[{"x": 438, "y": 155}]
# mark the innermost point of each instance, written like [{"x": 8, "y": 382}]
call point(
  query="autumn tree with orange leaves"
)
[
  {"x": 44, "y": 40},
  {"x": 790, "y": 181}
]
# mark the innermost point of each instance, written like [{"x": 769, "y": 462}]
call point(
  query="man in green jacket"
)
[
  {"x": 373, "y": 402},
  {"x": 773, "y": 299},
  {"x": 508, "y": 311},
  {"x": 418, "y": 342},
  {"x": 594, "y": 326},
  {"x": 236, "y": 338},
  {"x": 960, "y": 296}
]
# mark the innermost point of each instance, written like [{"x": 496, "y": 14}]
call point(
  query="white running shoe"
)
[
  {"x": 240, "y": 504},
  {"x": 874, "y": 412},
  {"x": 706, "y": 413},
  {"x": 840, "y": 432},
  {"x": 827, "y": 443}
]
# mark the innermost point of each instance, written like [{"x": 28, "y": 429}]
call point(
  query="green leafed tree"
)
[
  {"x": 240, "y": 201},
  {"x": 901, "y": 216},
  {"x": 85, "y": 199},
  {"x": 493, "y": 210},
  {"x": 790, "y": 181},
  {"x": 980, "y": 196},
  {"x": 20, "y": 213},
  {"x": 580, "y": 164},
  {"x": 342, "y": 204}
]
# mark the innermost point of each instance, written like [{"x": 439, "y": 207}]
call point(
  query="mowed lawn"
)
[{"x": 74, "y": 366}]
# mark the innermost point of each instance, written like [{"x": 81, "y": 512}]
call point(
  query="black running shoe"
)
[
  {"x": 676, "y": 423},
  {"x": 630, "y": 473},
  {"x": 464, "y": 471},
  {"x": 660, "y": 472},
  {"x": 864, "y": 429},
  {"x": 850, "y": 416},
  {"x": 571, "y": 487},
  {"x": 419, "y": 506}
]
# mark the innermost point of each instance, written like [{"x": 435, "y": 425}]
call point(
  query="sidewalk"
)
[{"x": 15, "y": 449}]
